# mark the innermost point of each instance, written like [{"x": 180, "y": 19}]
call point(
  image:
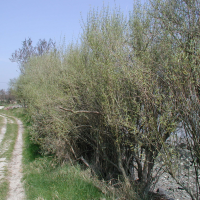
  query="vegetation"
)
[
  {"x": 111, "y": 101},
  {"x": 43, "y": 177},
  {"x": 6, "y": 97},
  {"x": 22, "y": 56}
]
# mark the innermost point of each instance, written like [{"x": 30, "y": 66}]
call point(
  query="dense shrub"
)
[{"x": 114, "y": 98}]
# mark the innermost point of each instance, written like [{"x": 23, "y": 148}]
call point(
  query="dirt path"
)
[
  {"x": 16, "y": 191},
  {"x": 14, "y": 167}
]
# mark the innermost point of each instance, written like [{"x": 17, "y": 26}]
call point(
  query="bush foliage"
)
[{"x": 114, "y": 98}]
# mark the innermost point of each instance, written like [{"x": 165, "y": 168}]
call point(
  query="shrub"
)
[{"x": 112, "y": 100}]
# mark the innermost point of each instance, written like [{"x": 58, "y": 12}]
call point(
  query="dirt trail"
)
[{"x": 16, "y": 190}]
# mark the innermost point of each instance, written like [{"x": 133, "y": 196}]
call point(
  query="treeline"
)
[
  {"x": 7, "y": 96},
  {"x": 113, "y": 99}
]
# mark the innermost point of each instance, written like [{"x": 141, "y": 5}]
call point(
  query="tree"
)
[
  {"x": 22, "y": 56},
  {"x": 179, "y": 20},
  {"x": 2, "y": 95},
  {"x": 6, "y": 96}
]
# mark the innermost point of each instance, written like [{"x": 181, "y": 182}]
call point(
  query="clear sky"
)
[{"x": 42, "y": 19}]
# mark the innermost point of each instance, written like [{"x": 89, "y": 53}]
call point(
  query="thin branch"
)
[
  {"x": 86, "y": 163},
  {"x": 80, "y": 111}
]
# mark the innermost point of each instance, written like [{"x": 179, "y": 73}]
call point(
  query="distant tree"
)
[
  {"x": 6, "y": 96},
  {"x": 10, "y": 97},
  {"x": 2, "y": 95},
  {"x": 22, "y": 55}
]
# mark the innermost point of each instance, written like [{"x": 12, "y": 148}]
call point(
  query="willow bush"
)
[
  {"x": 179, "y": 20},
  {"x": 112, "y": 100}
]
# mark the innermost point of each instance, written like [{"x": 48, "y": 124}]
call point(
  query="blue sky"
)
[{"x": 42, "y": 19}]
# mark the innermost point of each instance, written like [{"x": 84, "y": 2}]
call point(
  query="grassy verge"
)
[
  {"x": 45, "y": 179},
  {"x": 3, "y": 181},
  {"x": 8, "y": 141},
  {"x": 1, "y": 121},
  {"x": 4, "y": 186}
]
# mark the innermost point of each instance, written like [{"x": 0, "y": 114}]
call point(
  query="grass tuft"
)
[
  {"x": 4, "y": 185},
  {"x": 64, "y": 182}
]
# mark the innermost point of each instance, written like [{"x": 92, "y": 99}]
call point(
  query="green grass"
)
[
  {"x": 58, "y": 183},
  {"x": 3, "y": 182},
  {"x": 1, "y": 122},
  {"x": 8, "y": 141},
  {"x": 45, "y": 179},
  {"x": 3, "y": 189}
]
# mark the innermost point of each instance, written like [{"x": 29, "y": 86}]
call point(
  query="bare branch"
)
[{"x": 80, "y": 111}]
